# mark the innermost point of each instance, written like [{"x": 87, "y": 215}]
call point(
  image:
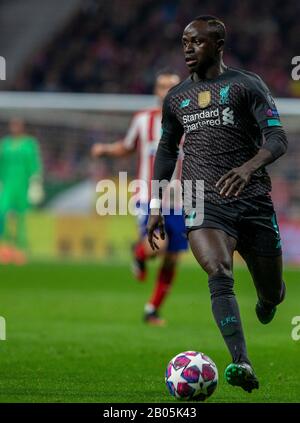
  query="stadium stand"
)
[{"x": 103, "y": 50}]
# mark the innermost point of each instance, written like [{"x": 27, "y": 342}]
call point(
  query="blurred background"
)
[{"x": 77, "y": 70}]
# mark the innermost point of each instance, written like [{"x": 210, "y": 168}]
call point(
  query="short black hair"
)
[
  {"x": 166, "y": 71},
  {"x": 217, "y": 26}
]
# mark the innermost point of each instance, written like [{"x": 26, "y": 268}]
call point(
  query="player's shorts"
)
[
  {"x": 174, "y": 227},
  {"x": 251, "y": 222}
]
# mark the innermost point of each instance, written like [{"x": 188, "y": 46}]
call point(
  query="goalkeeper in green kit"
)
[{"x": 20, "y": 187}]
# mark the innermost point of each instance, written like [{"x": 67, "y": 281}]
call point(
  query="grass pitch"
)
[{"x": 75, "y": 334}]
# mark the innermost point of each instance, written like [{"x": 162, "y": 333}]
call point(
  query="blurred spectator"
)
[{"x": 99, "y": 48}]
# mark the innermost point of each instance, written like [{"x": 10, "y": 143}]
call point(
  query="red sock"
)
[
  {"x": 139, "y": 251},
  {"x": 162, "y": 287}
]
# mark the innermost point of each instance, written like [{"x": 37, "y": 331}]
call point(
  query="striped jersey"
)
[{"x": 143, "y": 135}]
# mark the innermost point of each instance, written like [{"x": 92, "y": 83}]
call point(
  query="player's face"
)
[
  {"x": 16, "y": 127},
  {"x": 164, "y": 83},
  {"x": 200, "y": 47}
]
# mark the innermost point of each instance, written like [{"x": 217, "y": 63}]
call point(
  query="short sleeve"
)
[
  {"x": 262, "y": 104},
  {"x": 133, "y": 134}
]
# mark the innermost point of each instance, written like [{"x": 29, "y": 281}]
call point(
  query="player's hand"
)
[
  {"x": 155, "y": 221},
  {"x": 98, "y": 150},
  {"x": 234, "y": 181}
]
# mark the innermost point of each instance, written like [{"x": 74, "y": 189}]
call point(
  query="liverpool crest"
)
[
  {"x": 204, "y": 99},
  {"x": 224, "y": 94}
]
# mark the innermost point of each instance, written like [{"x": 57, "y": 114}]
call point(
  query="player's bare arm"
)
[{"x": 117, "y": 149}]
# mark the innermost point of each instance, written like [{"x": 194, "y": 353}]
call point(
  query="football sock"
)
[
  {"x": 226, "y": 313},
  {"x": 283, "y": 292},
  {"x": 149, "y": 308},
  {"x": 271, "y": 304},
  {"x": 139, "y": 251},
  {"x": 162, "y": 286}
]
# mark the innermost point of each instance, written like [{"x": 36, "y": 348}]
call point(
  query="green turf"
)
[{"x": 74, "y": 334}]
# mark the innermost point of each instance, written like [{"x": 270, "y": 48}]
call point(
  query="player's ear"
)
[{"x": 220, "y": 45}]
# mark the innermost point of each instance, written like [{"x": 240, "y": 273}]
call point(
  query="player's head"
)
[
  {"x": 16, "y": 126},
  {"x": 164, "y": 81},
  {"x": 203, "y": 42}
]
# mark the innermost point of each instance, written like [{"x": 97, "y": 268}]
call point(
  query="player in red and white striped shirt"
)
[{"x": 143, "y": 135}]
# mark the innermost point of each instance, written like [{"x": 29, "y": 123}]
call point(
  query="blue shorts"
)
[{"x": 174, "y": 226}]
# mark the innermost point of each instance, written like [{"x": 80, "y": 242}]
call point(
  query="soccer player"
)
[
  {"x": 20, "y": 186},
  {"x": 225, "y": 113},
  {"x": 143, "y": 135}
]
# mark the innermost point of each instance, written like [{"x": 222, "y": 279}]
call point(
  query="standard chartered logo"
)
[
  {"x": 196, "y": 121},
  {"x": 227, "y": 116}
]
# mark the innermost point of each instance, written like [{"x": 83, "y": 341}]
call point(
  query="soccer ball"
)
[{"x": 191, "y": 375}]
